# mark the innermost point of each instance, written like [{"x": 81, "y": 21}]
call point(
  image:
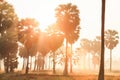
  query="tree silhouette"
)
[
  {"x": 7, "y": 16},
  {"x": 43, "y": 43},
  {"x": 86, "y": 46},
  {"x": 68, "y": 20},
  {"x": 55, "y": 41},
  {"x": 71, "y": 39},
  {"x": 8, "y": 36},
  {"x": 23, "y": 54},
  {"x": 101, "y": 70},
  {"x": 8, "y": 50},
  {"x": 111, "y": 41},
  {"x": 96, "y": 50},
  {"x": 28, "y": 36}
]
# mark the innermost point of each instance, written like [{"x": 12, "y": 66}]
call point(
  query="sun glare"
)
[{"x": 43, "y": 12}]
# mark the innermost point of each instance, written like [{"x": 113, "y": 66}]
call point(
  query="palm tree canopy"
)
[
  {"x": 86, "y": 45},
  {"x": 7, "y": 16},
  {"x": 8, "y": 47},
  {"x": 43, "y": 44},
  {"x": 28, "y": 34},
  {"x": 67, "y": 17},
  {"x": 73, "y": 36},
  {"x": 96, "y": 45},
  {"x": 26, "y": 26},
  {"x": 22, "y": 52},
  {"x": 8, "y": 29},
  {"x": 55, "y": 36},
  {"x": 111, "y": 39},
  {"x": 55, "y": 41}
]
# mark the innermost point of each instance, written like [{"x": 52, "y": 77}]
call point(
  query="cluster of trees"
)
[
  {"x": 93, "y": 47},
  {"x": 25, "y": 37},
  {"x": 8, "y": 36}
]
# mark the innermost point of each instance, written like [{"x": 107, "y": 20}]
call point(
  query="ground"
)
[{"x": 39, "y": 76}]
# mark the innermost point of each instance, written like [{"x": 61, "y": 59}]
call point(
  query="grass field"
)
[{"x": 18, "y": 76}]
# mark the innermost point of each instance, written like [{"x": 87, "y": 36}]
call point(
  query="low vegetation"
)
[{"x": 18, "y": 76}]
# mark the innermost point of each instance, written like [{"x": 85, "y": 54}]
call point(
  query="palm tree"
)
[
  {"x": 67, "y": 20},
  {"x": 43, "y": 45},
  {"x": 72, "y": 38},
  {"x": 55, "y": 41},
  {"x": 28, "y": 36},
  {"x": 96, "y": 50},
  {"x": 111, "y": 41},
  {"x": 101, "y": 70},
  {"x": 23, "y": 54},
  {"x": 86, "y": 46}
]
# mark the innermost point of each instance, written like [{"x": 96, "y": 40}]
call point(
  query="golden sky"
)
[{"x": 90, "y": 15}]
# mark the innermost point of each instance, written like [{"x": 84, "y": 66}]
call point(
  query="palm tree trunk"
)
[
  {"x": 89, "y": 61},
  {"x": 23, "y": 64},
  {"x": 49, "y": 62},
  {"x": 71, "y": 60},
  {"x": 54, "y": 63},
  {"x": 27, "y": 66},
  {"x": 0, "y": 63},
  {"x": 6, "y": 62},
  {"x": 101, "y": 70},
  {"x": 110, "y": 60},
  {"x": 43, "y": 63},
  {"x": 71, "y": 64},
  {"x": 35, "y": 63},
  {"x": 84, "y": 60},
  {"x": 31, "y": 63},
  {"x": 66, "y": 60}
]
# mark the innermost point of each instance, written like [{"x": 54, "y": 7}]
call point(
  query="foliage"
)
[
  {"x": 111, "y": 39},
  {"x": 43, "y": 44},
  {"x": 8, "y": 36},
  {"x": 28, "y": 32},
  {"x": 68, "y": 22},
  {"x": 86, "y": 45},
  {"x": 67, "y": 17},
  {"x": 96, "y": 46},
  {"x": 7, "y": 16}
]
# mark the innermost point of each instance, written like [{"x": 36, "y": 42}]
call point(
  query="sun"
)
[{"x": 43, "y": 12}]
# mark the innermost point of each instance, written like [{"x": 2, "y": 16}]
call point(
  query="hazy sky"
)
[{"x": 90, "y": 15}]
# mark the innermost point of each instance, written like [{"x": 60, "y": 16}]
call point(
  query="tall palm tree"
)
[
  {"x": 86, "y": 46},
  {"x": 96, "y": 50},
  {"x": 101, "y": 70},
  {"x": 55, "y": 41},
  {"x": 43, "y": 44},
  {"x": 72, "y": 38},
  {"x": 28, "y": 35},
  {"x": 111, "y": 41},
  {"x": 68, "y": 22}
]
